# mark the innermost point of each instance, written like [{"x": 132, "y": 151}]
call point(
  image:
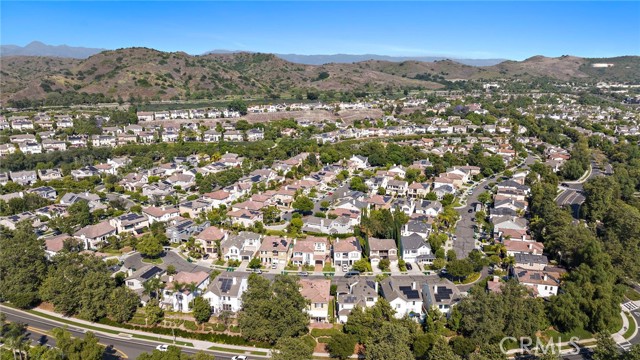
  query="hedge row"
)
[{"x": 212, "y": 337}]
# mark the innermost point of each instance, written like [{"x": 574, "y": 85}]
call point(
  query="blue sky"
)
[{"x": 514, "y": 30}]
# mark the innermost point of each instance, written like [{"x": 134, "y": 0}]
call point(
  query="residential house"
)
[
  {"x": 346, "y": 251},
  {"x": 310, "y": 251},
  {"x": 354, "y": 292},
  {"x": 24, "y": 178},
  {"x": 182, "y": 288},
  {"x": 403, "y": 294},
  {"x": 130, "y": 222},
  {"x": 543, "y": 283},
  {"x": 274, "y": 250},
  {"x": 317, "y": 293},
  {"x": 440, "y": 294},
  {"x": 49, "y": 174},
  {"x": 380, "y": 249},
  {"x": 415, "y": 249},
  {"x": 93, "y": 235},
  {"x": 160, "y": 214},
  {"x": 224, "y": 293},
  {"x": 208, "y": 239},
  {"x": 242, "y": 246}
]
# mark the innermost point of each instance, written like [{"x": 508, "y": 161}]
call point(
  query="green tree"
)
[
  {"x": 255, "y": 263},
  {"x": 341, "y": 346},
  {"x": 149, "y": 247},
  {"x": 442, "y": 351},
  {"x": 460, "y": 268},
  {"x": 288, "y": 348},
  {"x": 270, "y": 214},
  {"x": 94, "y": 292},
  {"x": 362, "y": 265},
  {"x": 201, "y": 310},
  {"x": 22, "y": 266},
  {"x": 303, "y": 204},
  {"x": 357, "y": 183},
  {"x": 152, "y": 312},
  {"x": 86, "y": 348},
  {"x": 391, "y": 341},
  {"x": 606, "y": 348},
  {"x": 271, "y": 311},
  {"x": 122, "y": 304},
  {"x": 238, "y": 105}
]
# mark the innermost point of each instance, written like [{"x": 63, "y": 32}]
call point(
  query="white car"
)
[
  {"x": 162, "y": 347},
  {"x": 239, "y": 357}
]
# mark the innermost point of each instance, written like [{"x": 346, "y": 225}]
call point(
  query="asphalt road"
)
[
  {"x": 572, "y": 195},
  {"x": 168, "y": 258},
  {"x": 117, "y": 347},
  {"x": 464, "y": 242}
]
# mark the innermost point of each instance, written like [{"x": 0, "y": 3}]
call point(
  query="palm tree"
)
[{"x": 16, "y": 339}]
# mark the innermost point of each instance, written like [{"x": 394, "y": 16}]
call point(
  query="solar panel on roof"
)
[
  {"x": 443, "y": 294},
  {"x": 225, "y": 285},
  {"x": 409, "y": 292},
  {"x": 150, "y": 273}
]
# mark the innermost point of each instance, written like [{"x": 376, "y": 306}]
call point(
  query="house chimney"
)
[
  {"x": 413, "y": 285},
  {"x": 496, "y": 278},
  {"x": 530, "y": 246},
  {"x": 435, "y": 289},
  {"x": 170, "y": 278},
  {"x": 545, "y": 277},
  {"x": 234, "y": 280},
  {"x": 376, "y": 286}
]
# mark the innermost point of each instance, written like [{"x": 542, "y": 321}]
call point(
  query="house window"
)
[{"x": 226, "y": 307}]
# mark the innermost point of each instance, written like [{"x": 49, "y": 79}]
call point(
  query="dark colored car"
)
[{"x": 409, "y": 267}]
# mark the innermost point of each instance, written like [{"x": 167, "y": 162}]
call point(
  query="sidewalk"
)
[{"x": 124, "y": 333}]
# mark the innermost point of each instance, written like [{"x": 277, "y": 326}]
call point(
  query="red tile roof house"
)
[
  {"x": 208, "y": 239},
  {"x": 346, "y": 251},
  {"x": 179, "y": 298},
  {"x": 317, "y": 291},
  {"x": 274, "y": 250},
  {"x": 310, "y": 251}
]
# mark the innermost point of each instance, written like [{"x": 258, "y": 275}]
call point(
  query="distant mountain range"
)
[
  {"x": 350, "y": 58},
  {"x": 37, "y": 48},
  {"x": 152, "y": 74}
]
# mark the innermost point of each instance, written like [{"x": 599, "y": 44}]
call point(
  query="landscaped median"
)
[{"x": 167, "y": 334}]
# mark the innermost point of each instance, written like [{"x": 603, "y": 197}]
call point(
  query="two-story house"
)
[
  {"x": 346, "y": 252},
  {"x": 274, "y": 250},
  {"x": 225, "y": 293},
  {"x": 317, "y": 292},
  {"x": 310, "y": 251},
  {"x": 380, "y": 249}
]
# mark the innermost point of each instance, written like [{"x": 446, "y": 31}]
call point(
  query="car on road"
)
[
  {"x": 470, "y": 211},
  {"x": 239, "y": 357},
  {"x": 257, "y": 271},
  {"x": 352, "y": 273},
  {"x": 303, "y": 273},
  {"x": 409, "y": 267},
  {"x": 162, "y": 347},
  {"x": 486, "y": 187}
]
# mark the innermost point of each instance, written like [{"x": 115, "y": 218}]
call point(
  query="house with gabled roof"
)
[
  {"x": 310, "y": 251},
  {"x": 94, "y": 235},
  {"x": 208, "y": 239},
  {"x": 415, "y": 249},
  {"x": 317, "y": 293},
  {"x": 440, "y": 294},
  {"x": 160, "y": 214},
  {"x": 352, "y": 292},
  {"x": 274, "y": 250},
  {"x": 380, "y": 249},
  {"x": 404, "y": 296},
  {"x": 182, "y": 288},
  {"x": 224, "y": 293}
]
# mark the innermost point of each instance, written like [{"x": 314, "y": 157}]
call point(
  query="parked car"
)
[
  {"x": 162, "y": 347},
  {"x": 274, "y": 266},
  {"x": 257, "y": 271},
  {"x": 345, "y": 268},
  {"x": 239, "y": 357},
  {"x": 303, "y": 273},
  {"x": 409, "y": 267}
]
